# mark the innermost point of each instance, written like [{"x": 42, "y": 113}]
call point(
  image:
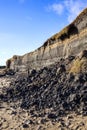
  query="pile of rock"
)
[{"x": 52, "y": 88}]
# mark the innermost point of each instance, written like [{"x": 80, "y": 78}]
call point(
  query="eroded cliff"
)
[{"x": 70, "y": 41}]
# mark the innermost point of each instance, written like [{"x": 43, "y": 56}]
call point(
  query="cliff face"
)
[{"x": 70, "y": 41}]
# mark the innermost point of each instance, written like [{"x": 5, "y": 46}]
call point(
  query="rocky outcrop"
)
[{"x": 70, "y": 41}]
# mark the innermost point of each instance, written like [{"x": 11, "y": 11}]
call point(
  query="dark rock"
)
[
  {"x": 14, "y": 112},
  {"x": 33, "y": 72},
  {"x": 61, "y": 69},
  {"x": 52, "y": 116},
  {"x": 83, "y": 54},
  {"x": 2, "y": 67},
  {"x": 25, "y": 126},
  {"x": 0, "y": 124},
  {"x": 10, "y": 72},
  {"x": 70, "y": 58}
]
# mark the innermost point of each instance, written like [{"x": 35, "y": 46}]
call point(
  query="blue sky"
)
[{"x": 26, "y": 24}]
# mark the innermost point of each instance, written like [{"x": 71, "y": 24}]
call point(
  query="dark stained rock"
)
[
  {"x": 83, "y": 54},
  {"x": 25, "y": 126},
  {"x": 52, "y": 116},
  {"x": 10, "y": 72},
  {"x": 70, "y": 58}
]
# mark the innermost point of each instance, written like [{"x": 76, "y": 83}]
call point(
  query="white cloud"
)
[
  {"x": 57, "y": 8},
  {"x": 73, "y": 8}
]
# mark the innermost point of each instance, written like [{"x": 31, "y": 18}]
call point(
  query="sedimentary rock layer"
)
[{"x": 70, "y": 41}]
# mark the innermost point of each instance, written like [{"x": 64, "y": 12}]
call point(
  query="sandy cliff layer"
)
[{"x": 70, "y": 41}]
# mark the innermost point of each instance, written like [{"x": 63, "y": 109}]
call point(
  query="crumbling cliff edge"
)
[{"x": 70, "y": 41}]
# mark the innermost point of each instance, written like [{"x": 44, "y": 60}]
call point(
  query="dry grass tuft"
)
[{"x": 79, "y": 65}]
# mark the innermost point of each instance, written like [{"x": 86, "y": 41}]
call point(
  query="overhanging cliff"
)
[{"x": 70, "y": 41}]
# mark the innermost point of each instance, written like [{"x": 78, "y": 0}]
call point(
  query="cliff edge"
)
[{"x": 69, "y": 41}]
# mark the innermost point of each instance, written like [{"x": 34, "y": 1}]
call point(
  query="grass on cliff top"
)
[
  {"x": 65, "y": 30},
  {"x": 79, "y": 65}
]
